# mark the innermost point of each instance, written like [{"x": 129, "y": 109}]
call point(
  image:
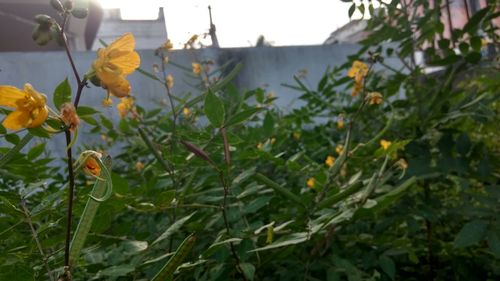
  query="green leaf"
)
[
  {"x": 85, "y": 111},
  {"x": 475, "y": 43},
  {"x": 62, "y": 93},
  {"x": 214, "y": 109},
  {"x": 388, "y": 266},
  {"x": 472, "y": 25},
  {"x": 117, "y": 270},
  {"x": 242, "y": 116},
  {"x": 173, "y": 228},
  {"x": 120, "y": 185},
  {"x": 292, "y": 239},
  {"x": 470, "y": 234},
  {"x": 278, "y": 188},
  {"x": 248, "y": 269},
  {"x": 167, "y": 271},
  {"x": 352, "y": 9},
  {"x": 36, "y": 151},
  {"x": 12, "y": 138}
]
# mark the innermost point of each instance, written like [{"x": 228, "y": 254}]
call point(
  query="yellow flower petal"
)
[
  {"x": 39, "y": 118},
  {"x": 127, "y": 62},
  {"x": 17, "y": 120},
  {"x": 125, "y": 43},
  {"x": 120, "y": 89},
  {"x": 9, "y": 95}
]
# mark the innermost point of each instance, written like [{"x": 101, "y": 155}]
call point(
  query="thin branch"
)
[
  {"x": 68, "y": 53},
  {"x": 37, "y": 241},
  {"x": 71, "y": 192}
]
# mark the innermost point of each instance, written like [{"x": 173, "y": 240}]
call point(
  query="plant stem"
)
[
  {"x": 70, "y": 198},
  {"x": 35, "y": 236},
  {"x": 66, "y": 48}
]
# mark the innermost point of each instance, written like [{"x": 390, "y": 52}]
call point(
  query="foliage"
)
[{"x": 226, "y": 185}]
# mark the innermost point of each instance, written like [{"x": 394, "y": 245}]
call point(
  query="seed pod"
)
[
  {"x": 197, "y": 151},
  {"x": 80, "y": 13},
  {"x": 43, "y": 20},
  {"x": 41, "y": 35}
]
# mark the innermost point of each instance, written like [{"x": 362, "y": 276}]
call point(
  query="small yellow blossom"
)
[
  {"x": 311, "y": 182},
  {"x": 186, "y": 112},
  {"x": 329, "y": 161},
  {"x": 139, "y": 166},
  {"x": 69, "y": 116},
  {"x": 273, "y": 140},
  {"x": 375, "y": 98},
  {"x": 296, "y": 135},
  {"x": 191, "y": 41},
  {"x": 168, "y": 45},
  {"x": 260, "y": 145},
  {"x": 107, "y": 102},
  {"x": 402, "y": 164},
  {"x": 165, "y": 60},
  {"x": 385, "y": 144},
  {"x": 339, "y": 149},
  {"x": 196, "y": 68},
  {"x": 170, "y": 81},
  {"x": 340, "y": 123},
  {"x": 125, "y": 106},
  {"x": 92, "y": 167},
  {"x": 30, "y": 107},
  {"x": 358, "y": 71},
  {"x": 114, "y": 63}
]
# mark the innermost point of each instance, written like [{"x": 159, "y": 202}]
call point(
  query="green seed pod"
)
[
  {"x": 68, "y": 4},
  {"x": 56, "y": 4},
  {"x": 80, "y": 13}
]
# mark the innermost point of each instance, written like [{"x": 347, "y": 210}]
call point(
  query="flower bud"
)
[
  {"x": 80, "y": 13},
  {"x": 43, "y": 20},
  {"x": 56, "y": 4},
  {"x": 41, "y": 35},
  {"x": 68, "y": 4}
]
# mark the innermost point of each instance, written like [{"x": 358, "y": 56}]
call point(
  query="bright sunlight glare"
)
[{"x": 240, "y": 23}]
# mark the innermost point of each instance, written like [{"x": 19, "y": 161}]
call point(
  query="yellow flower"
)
[
  {"x": 92, "y": 167},
  {"x": 329, "y": 161},
  {"x": 260, "y": 145},
  {"x": 191, "y": 41},
  {"x": 339, "y": 149},
  {"x": 196, "y": 68},
  {"x": 311, "y": 182},
  {"x": 30, "y": 107},
  {"x": 186, "y": 112},
  {"x": 385, "y": 144},
  {"x": 114, "y": 63},
  {"x": 273, "y": 140},
  {"x": 139, "y": 166},
  {"x": 402, "y": 164},
  {"x": 340, "y": 123},
  {"x": 125, "y": 106},
  {"x": 358, "y": 71},
  {"x": 167, "y": 45},
  {"x": 375, "y": 98},
  {"x": 69, "y": 116},
  {"x": 296, "y": 135},
  {"x": 170, "y": 81},
  {"x": 107, "y": 102}
]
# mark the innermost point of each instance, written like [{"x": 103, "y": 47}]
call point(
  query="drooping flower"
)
[
  {"x": 114, "y": 63},
  {"x": 340, "y": 122},
  {"x": 402, "y": 164},
  {"x": 167, "y": 45},
  {"x": 260, "y": 145},
  {"x": 375, "y": 98},
  {"x": 385, "y": 144},
  {"x": 196, "y": 68},
  {"x": 139, "y": 166},
  {"x": 69, "y": 116},
  {"x": 329, "y": 161},
  {"x": 125, "y": 106},
  {"x": 311, "y": 182},
  {"x": 186, "y": 112},
  {"x": 30, "y": 107}
]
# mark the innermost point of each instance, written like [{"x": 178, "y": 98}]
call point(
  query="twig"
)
[
  {"x": 70, "y": 198},
  {"x": 35, "y": 236}
]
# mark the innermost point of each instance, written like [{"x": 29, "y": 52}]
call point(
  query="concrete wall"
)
[{"x": 268, "y": 66}]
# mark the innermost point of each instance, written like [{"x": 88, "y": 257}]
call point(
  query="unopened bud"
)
[
  {"x": 68, "y": 4},
  {"x": 80, "y": 13},
  {"x": 41, "y": 35},
  {"x": 43, "y": 20},
  {"x": 56, "y": 4}
]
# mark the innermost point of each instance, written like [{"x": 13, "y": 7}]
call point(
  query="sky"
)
[{"x": 240, "y": 22}]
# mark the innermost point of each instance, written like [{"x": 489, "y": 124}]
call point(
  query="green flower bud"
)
[
  {"x": 68, "y": 4},
  {"x": 80, "y": 13},
  {"x": 43, "y": 20},
  {"x": 56, "y": 4},
  {"x": 41, "y": 35}
]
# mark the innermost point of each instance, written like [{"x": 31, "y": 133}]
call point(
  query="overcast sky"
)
[{"x": 240, "y": 22}]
